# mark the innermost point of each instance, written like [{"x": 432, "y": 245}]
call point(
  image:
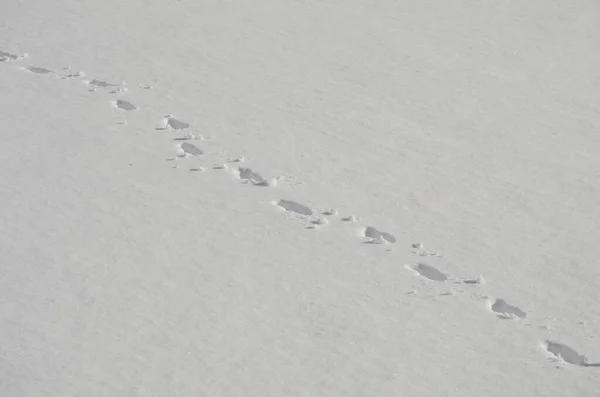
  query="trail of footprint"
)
[
  {"x": 567, "y": 354},
  {"x": 8, "y": 57},
  {"x": 506, "y": 311},
  {"x": 429, "y": 272},
  {"x": 293, "y": 206},
  {"x": 499, "y": 306},
  {"x": 377, "y": 236},
  {"x": 124, "y": 105}
]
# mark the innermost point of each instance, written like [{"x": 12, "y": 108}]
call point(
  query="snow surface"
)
[{"x": 295, "y": 198}]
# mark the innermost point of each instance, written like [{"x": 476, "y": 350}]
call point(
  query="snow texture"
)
[{"x": 418, "y": 149}]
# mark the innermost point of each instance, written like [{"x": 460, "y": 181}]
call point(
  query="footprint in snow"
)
[
  {"x": 474, "y": 281},
  {"x": 191, "y": 149},
  {"x": 72, "y": 75},
  {"x": 8, "y": 57},
  {"x": 567, "y": 354},
  {"x": 429, "y": 272},
  {"x": 249, "y": 176},
  {"x": 171, "y": 122},
  {"x": 101, "y": 84},
  {"x": 188, "y": 136},
  {"x": 505, "y": 310},
  {"x": 38, "y": 70},
  {"x": 377, "y": 237},
  {"x": 120, "y": 90},
  {"x": 419, "y": 249},
  {"x": 294, "y": 207},
  {"x": 315, "y": 223},
  {"x": 124, "y": 105}
]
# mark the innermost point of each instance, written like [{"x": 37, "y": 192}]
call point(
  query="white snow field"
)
[{"x": 299, "y": 198}]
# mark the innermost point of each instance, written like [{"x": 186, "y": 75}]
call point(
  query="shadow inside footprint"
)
[
  {"x": 172, "y": 122},
  {"x": 5, "y": 56},
  {"x": 430, "y": 272},
  {"x": 507, "y": 311},
  {"x": 125, "y": 105},
  {"x": 191, "y": 149},
  {"x": 253, "y": 177},
  {"x": 293, "y": 206},
  {"x": 102, "y": 84},
  {"x": 568, "y": 355},
  {"x": 377, "y": 236},
  {"x": 38, "y": 70}
]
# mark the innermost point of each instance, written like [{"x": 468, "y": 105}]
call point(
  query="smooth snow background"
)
[{"x": 472, "y": 128}]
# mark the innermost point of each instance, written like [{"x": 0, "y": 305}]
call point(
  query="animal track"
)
[
  {"x": 38, "y": 70},
  {"x": 124, "y": 105},
  {"x": 248, "y": 175},
  {"x": 378, "y": 237},
  {"x": 191, "y": 149},
  {"x": 293, "y": 206},
  {"x": 429, "y": 272},
  {"x": 8, "y": 57},
  {"x": 567, "y": 354},
  {"x": 507, "y": 311}
]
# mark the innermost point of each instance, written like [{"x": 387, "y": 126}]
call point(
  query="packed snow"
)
[{"x": 292, "y": 198}]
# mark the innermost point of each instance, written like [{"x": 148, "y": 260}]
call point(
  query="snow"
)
[{"x": 363, "y": 168}]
